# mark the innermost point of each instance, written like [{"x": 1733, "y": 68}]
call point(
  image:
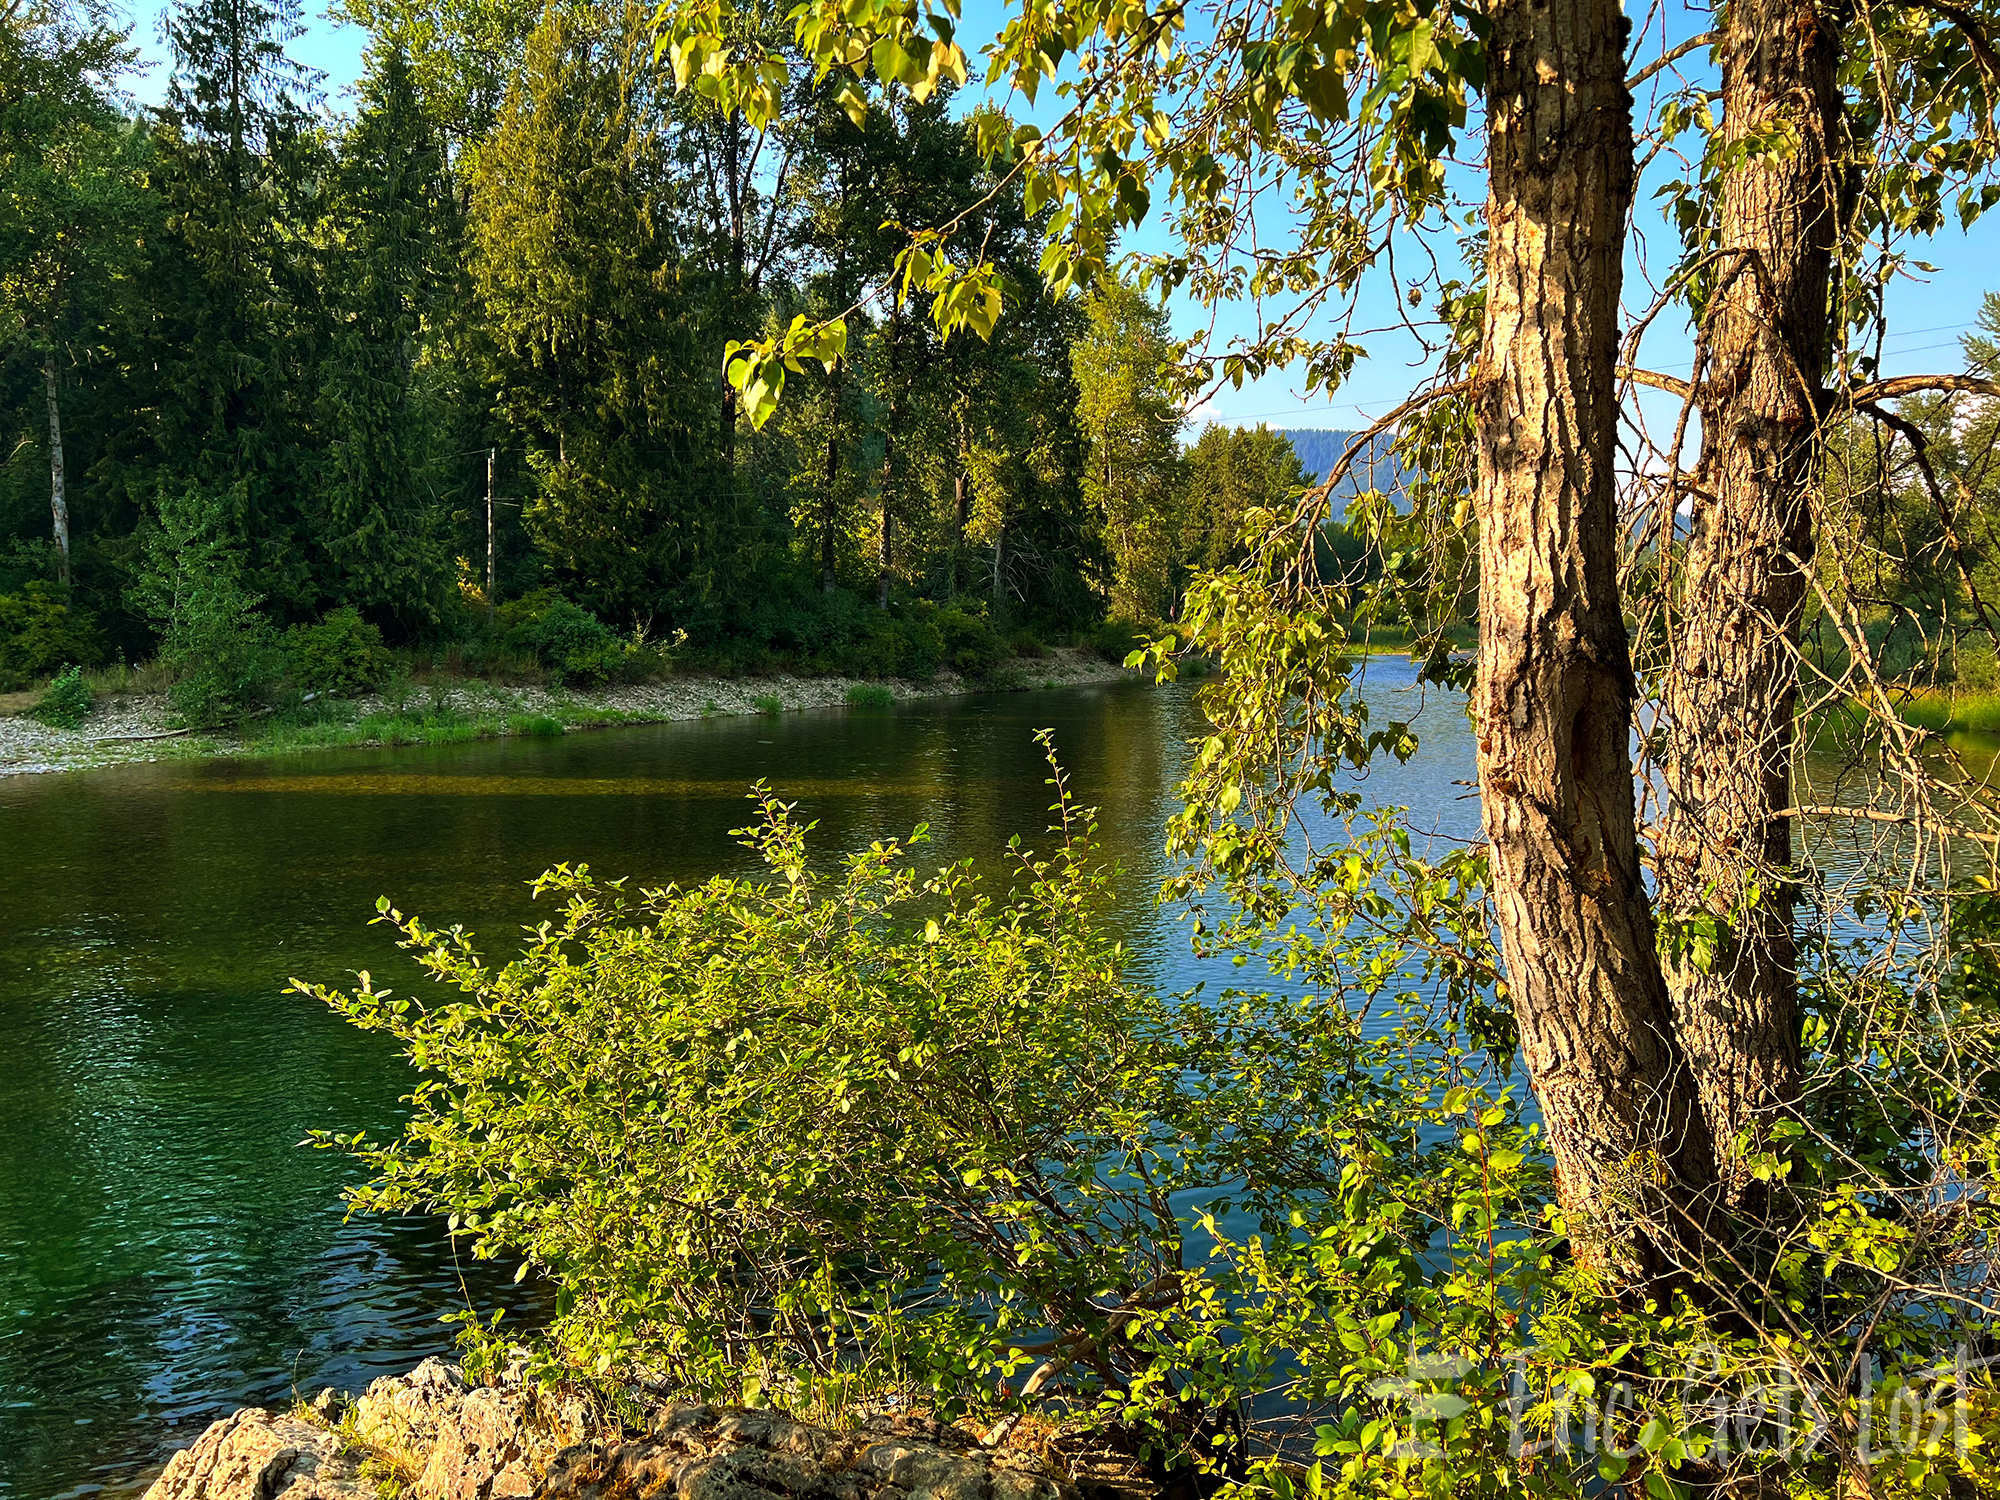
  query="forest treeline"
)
[{"x": 449, "y": 368}]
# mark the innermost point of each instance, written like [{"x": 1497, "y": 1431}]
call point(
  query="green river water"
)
[{"x": 167, "y": 1250}]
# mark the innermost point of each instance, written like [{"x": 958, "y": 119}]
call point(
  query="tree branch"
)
[
  {"x": 1669, "y": 383},
  {"x": 1313, "y": 498},
  {"x": 1910, "y": 385},
  {"x": 1920, "y": 448},
  {"x": 1667, "y": 60},
  {"x": 1964, "y": 20}
]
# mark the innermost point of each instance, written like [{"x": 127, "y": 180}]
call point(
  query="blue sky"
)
[{"x": 1929, "y": 312}]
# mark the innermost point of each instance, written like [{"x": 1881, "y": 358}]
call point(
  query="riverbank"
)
[
  {"x": 132, "y": 728},
  {"x": 431, "y": 1435}
]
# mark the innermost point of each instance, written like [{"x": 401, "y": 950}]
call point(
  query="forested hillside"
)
[{"x": 450, "y": 368}]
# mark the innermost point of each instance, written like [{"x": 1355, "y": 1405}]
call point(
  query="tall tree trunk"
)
[
  {"x": 885, "y": 544},
  {"x": 885, "y": 540},
  {"x": 829, "y": 515},
  {"x": 1000, "y": 573},
  {"x": 1554, "y": 692},
  {"x": 58, "y": 478},
  {"x": 961, "y": 514},
  {"x": 1732, "y": 679}
]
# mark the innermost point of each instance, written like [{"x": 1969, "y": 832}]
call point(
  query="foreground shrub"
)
[
  {"x": 799, "y": 1129},
  {"x": 41, "y": 631},
  {"x": 66, "y": 702},
  {"x": 342, "y": 655},
  {"x": 870, "y": 695}
]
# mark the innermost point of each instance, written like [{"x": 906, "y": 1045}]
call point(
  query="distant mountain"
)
[{"x": 1320, "y": 448}]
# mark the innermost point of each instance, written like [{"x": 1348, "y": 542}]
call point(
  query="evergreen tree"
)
[
  {"x": 237, "y": 324},
  {"x": 1229, "y": 472},
  {"x": 597, "y": 349},
  {"x": 390, "y": 259}
]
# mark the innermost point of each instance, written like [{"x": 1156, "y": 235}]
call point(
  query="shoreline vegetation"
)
[{"x": 133, "y": 719}]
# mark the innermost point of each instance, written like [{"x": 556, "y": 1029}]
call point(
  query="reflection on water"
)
[{"x": 167, "y": 1252}]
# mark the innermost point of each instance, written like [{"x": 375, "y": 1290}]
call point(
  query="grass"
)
[
  {"x": 768, "y": 703},
  {"x": 335, "y": 726},
  {"x": 1966, "y": 711},
  {"x": 870, "y": 695}
]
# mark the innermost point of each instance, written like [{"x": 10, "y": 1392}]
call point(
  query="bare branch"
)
[
  {"x": 1667, "y": 60},
  {"x": 1670, "y": 383},
  {"x": 1911, "y": 385},
  {"x": 1317, "y": 495}
]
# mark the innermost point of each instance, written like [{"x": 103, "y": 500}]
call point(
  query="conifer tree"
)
[
  {"x": 237, "y": 326},
  {"x": 596, "y": 360},
  {"x": 389, "y": 261}
]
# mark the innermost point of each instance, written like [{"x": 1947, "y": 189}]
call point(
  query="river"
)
[{"x": 167, "y": 1250}]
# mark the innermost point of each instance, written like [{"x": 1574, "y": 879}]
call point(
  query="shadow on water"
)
[{"x": 167, "y": 1252}]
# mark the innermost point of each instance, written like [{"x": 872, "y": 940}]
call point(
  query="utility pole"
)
[{"x": 489, "y": 537}]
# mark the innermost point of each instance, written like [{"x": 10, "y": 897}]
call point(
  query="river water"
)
[{"x": 167, "y": 1250}]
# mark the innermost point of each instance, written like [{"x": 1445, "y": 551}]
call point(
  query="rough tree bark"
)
[
  {"x": 58, "y": 479},
  {"x": 1732, "y": 679},
  {"x": 1555, "y": 683}
]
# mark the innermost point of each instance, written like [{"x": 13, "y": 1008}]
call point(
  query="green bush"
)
[
  {"x": 575, "y": 646},
  {"x": 66, "y": 702},
  {"x": 224, "y": 654},
  {"x": 748, "y": 1125},
  {"x": 768, "y": 703},
  {"x": 970, "y": 644},
  {"x": 1114, "y": 640},
  {"x": 1024, "y": 642},
  {"x": 342, "y": 655},
  {"x": 870, "y": 695},
  {"x": 42, "y": 631}
]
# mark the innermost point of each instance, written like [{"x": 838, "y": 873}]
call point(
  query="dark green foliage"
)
[
  {"x": 66, "y": 702},
  {"x": 570, "y": 641},
  {"x": 389, "y": 263},
  {"x": 41, "y": 630},
  {"x": 342, "y": 655},
  {"x": 970, "y": 645},
  {"x": 331, "y": 326},
  {"x": 222, "y": 649},
  {"x": 870, "y": 695}
]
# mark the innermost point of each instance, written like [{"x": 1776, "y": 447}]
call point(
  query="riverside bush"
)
[
  {"x": 222, "y": 651},
  {"x": 65, "y": 704},
  {"x": 342, "y": 654},
  {"x": 872, "y": 1128},
  {"x": 43, "y": 630},
  {"x": 576, "y": 646}
]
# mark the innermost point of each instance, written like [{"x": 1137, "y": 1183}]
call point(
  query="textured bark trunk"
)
[
  {"x": 1731, "y": 686},
  {"x": 58, "y": 478},
  {"x": 1554, "y": 692},
  {"x": 885, "y": 546},
  {"x": 961, "y": 514},
  {"x": 1000, "y": 572},
  {"x": 828, "y": 517}
]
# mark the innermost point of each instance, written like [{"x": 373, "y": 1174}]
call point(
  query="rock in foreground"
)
[
  {"x": 254, "y": 1455},
  {"x": 441, "y": 1439}
]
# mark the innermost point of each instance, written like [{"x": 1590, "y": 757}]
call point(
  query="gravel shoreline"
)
[{"x": 139, "y": 728}]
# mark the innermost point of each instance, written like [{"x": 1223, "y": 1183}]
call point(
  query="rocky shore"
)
[
  {"x": 429, "y": 1435},
  {"x": 139, "y": 727}
]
